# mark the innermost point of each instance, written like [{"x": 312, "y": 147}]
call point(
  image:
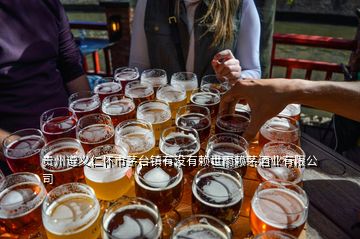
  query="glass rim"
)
[
  {"x": 271, "y": 233},
  {"x": 227, "y": 171},
  {"x": 138, "y": 201},
  {"x": 128, "y": 122},
  {"x": 186, "y": 220},
  {"x": 107, "y": 102},
  {"x": 291, "y": 120},
  {"x": 230, "y": 135},
  {"x": 220, "y": 122},
  {"x": 122, "y": 68},
  {"x": 135, "y": 83},
  {"x": 196, "y": 92},
  {"x": 274, "y": 143},
  {"x": 82, "y": 94},
  {"x": 162, "y": 71},
  {"x": 284, "y": 185},
  {"x": 186, "y": 73},
  {"x": 190, "y": 106},
  {"x": 125, "y": 149},
  {"x": 174, "y": 86},
  {"x": 88, "y": 116},
  {"x": 72, "y": 116}
]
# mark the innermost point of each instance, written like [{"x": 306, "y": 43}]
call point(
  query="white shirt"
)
[{"x": 247, "y": 48}]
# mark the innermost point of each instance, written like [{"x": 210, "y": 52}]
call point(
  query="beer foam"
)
[
  {"x": 155, "y": 81},
  {"x": 154, "y": 116},
  {"x": 205, "y": 99},
  {"x": 223, "y": 190},
  {"x": 24, "y": 147},
  {"x": 280, "y": 173},
  {"x": 158, "y": 180},
  {"x": 188, "y": 85},
  {"x": 139, "y": 139},
  {"x": 197, "y": 231},
  {"x": 178, "y": 148},
  {"x": 85, "y": 104},
  {"x": 107, "y": 87},
  {"x": 70, "y": 214},
  {"x": 130, "y": 229},
  {"x": 279, "y": 208},
  {"x": 105, "y": 175},
  {"x": 279, "y": 129},
  {"x": 97, "y": 133},
  {"x": 119, "y": 107},
  {"x": 170, "y": 95}
]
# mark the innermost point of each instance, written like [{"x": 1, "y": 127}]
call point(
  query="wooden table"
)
[{"x": 333, "y": 188}]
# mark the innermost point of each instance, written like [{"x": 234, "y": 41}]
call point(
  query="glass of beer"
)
[
  {"x": 20, "y": 206},
  {"x": 195, "y": 117},
  {"x": 281, "y": 129},
  {"x": 228, "y": 151},
  {"x": 231, "y": 123},
  {"x": 22, "y": 150},
  {"x": 124, "y": 75},
  {"x": 139, "y": 92},
  {"x": 157, "y": 113},
  {"x": 178, "y": 143},
  {"x": 64, "y": 160},
  {"x": 58, "y": 123},
  {"x": 292, "y": 111},
  {"x": 119, "y": 108},
  {"x": 132, "y": 218},
  {"x": 288, "y": 167},
  {"x": 138, "y": 135},
  {"x": 188, "y": 80},
  {"x": 84, "y": 103},
  {"x": 209, "y": 99},
  {"x": 217, "y": 192},
  {"x": 201, "y": 226},
  {"x": 274, "y": 235},
  {"x": 174, "y": 95},
  {"x": 108, "y": 171},
  {"x": 94, "y": 130},
  {"x": 108, "y": 86},
  {"x": 154, "y": 77},
  {"x": 280, "y": 206},
  {"x": 71, "y": 211},
  {"x": 163, "y": 185},
  {"x": 243, "y": 110},
  {"x": 211, "y": 82}
]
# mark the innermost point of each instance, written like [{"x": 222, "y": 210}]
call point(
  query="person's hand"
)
[
  {"x": 266, "y": 99},
  {"x": 226, "y": 66}
]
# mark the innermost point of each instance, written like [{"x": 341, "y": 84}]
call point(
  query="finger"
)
[
  {"x": 224, "y": 56},
  {"x": 255, "y": 124}
]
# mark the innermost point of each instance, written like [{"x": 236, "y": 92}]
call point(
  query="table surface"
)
[{"x": 333, "y": 188}]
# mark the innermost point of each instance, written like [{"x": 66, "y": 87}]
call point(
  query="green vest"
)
[{"x": 161, "y": 47}]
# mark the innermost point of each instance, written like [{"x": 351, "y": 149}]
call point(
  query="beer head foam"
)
[
  {"x": 157, "y": 179},
  {"x": 197, "y": 231},
  {"x": 188, "y": 85},
  {"x": 279, "y": 129},
  {"x": 186, "y": 143},
  {"x": 139, "y": 139}
]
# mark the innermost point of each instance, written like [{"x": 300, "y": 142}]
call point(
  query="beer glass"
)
[
  {"x": 209, "y": 99},
  {"x": 154, "y": 77},
  {"x": 2, "y": 180},
  {"x": 119, "y": 108},
  {"x": 188, "y": 80},
  {"x": 163, "y": 185},
  {"x": 217, "y": 192},
  {"x": 274, "y": 235},
  {"x": 131, "y": 218},
  {"x": 228, "y": 151},
  {"x": 108, "y": 173},
  {"x": 124, "y": 75},
  {"x": 280, "y": 206},
  {"x": 231, "y": 123},
  {"x": 22, "y": 150},
  {"x": 174, "y": 95},
  {"x": 108, "y": 86},
  {"x": 178, "y": 143},
  {"x": 58, "y": 123},
  {"x": 201, "y": 226},
  {"x": 195, "y": 117},
  {"x": 243, "y": 110},
  {"x": 281, "y": 129},
  {"x": 84, "y": 103},
  {"x": 64, "y": 160},
  {"x": 71, "y": 211},
  {"x": 138, "y": 135},
  {"x": 288, "y": 168},
  {"x": 20, "y": 206},
  {"x": 157, "y": 113},
  {"x": 94, "y": 130},
  {"x": 292, "y": 111},
  {"x": 139, "y": 92},
  {"x": 211, "y": 82}
]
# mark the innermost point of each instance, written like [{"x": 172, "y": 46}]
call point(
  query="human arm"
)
[
  {"x": 268, "y": 97},
  {"x": 139, "y": 56}
]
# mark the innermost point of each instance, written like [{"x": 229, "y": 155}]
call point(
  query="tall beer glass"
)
[
  {"x": 157, "y": 113},
  {"x": 201, "y": 226},
  {"x": 280, "y": 206},
  {"x": 188, "y": 80},
  {"x": 22, "y": 150},
  {"x": 71, "y": 211},
  {"x": 94, "y": 130},
  {"x": 107, "y": 86},
  {"x": 20, "y": 206},
  {"x": 124, "y": 75},
  {"x": 58, "y": 123},
  {"x": 84, "y": 103},
  {"x": 109, "y": 175},
  {"x": 174, "y": 95},
  {"x": 139, "y": 92},
  {"x": 119, "y": 108},
  {"x": 132, "y": 218},
  {"x": 154, "y": 77},
  {"x": 138, "y": 135}
]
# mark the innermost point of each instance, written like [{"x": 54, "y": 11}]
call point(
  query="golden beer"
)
[
  {"x": 157, "y": 113},
  {"x": 278, "y": 206},
  {"x": 108, "y": 176},
  {"x": 186, "y": 79},
  {"x": 174, "y": 95},
  {"x": 71, "y": 211}
]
